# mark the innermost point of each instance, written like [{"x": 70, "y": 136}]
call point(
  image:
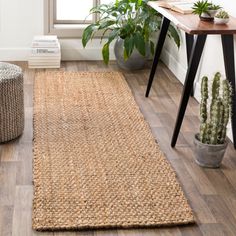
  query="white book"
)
[
  {"x": 35, "y": 51},
  {"x": 41, "y": 63},
  {"x": 42, "y": 67},
  {"x": 44, "y": 58},
  {"x": 52, "y": 62},
  {"x": 45, "y": 38},
  {"x": 45, "y": 45}
]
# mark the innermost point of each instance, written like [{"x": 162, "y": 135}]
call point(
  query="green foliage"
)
[
  {"x": 200, "y": 7},
  {"x": 222, "y": 14},
  {"x": 213, "y": 129},
  {"x": 214, "y": 7},
  {"x": 132, "y": 20},
  {"x": 203, "y": 6}
]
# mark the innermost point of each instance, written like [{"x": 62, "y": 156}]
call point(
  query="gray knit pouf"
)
[{"x": 11, "y": 102}]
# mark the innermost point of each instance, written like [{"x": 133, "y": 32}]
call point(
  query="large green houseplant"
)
[{"x": 131, "y": 21}]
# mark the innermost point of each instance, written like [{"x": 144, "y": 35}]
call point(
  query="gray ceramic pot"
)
[
  {"x": 208, "y": 16},
  {"x": 208, "y": 155},
  {"x": 135, "y": 62}
]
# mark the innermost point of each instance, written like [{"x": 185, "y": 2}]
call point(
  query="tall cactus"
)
[
  {"x": 215, "y": 121},
  {"x": 203, "y": 109},
  {"x": 215, "y": 89},
  {"x": 227, "y": 103},
  {"x": 221, "y": 120},
  {"x": 213, "y": 128}
]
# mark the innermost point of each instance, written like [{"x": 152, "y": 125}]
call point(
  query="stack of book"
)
[{"x": 45, "y": 52}]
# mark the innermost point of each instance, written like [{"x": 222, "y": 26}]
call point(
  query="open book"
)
[{"x": 184, "y": 7}]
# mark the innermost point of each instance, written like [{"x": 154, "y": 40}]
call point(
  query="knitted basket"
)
[{"x": 11, "y": 102}]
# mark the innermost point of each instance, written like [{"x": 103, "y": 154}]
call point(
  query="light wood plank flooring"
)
[{"x": 211, "y": 193}]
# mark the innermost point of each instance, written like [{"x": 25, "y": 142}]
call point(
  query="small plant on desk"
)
[
  {"x": 206, "y": 10},
  {"x": 211, "y": 142},
  {"x": 222, "y": 17}
]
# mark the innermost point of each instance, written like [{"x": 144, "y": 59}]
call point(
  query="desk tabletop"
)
[{"x": 192, "y": 24}]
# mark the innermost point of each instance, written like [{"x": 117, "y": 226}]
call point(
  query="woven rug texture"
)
[{"x": 96, "y": 163}]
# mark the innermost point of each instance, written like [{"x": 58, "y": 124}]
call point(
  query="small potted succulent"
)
[
  {"x": 221, "y": 17},
  {"x": 206, "y": 10},
  {"x": 211, "y": 142}
]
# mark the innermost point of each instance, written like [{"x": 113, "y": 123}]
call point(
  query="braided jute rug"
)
[{"x": 96, "y": 163}]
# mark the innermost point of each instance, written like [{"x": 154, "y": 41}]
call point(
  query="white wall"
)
[
  {"x": 212, "y": 58},
  {"x": 20, "y": 20}
]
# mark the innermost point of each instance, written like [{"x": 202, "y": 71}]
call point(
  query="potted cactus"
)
[
  {"x": 211, "y": 142},
  {"x": 222, "y": 17}
]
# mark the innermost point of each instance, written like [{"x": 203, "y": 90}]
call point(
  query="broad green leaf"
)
[
  {"x": 87, "y": 34},
  {"x": 174, "y": 34},
  {"x": 104, "y": 34},
  {"x": 125, "y": 55},
  {"x": 114, "y": 34},
  {"x": 105, "y": 53},
  {"x": 117, "y": 3},
  {"x": 106, "y": 24},
  {"x": 140, "y": 43},
  {"x": 129, "y": 46}
]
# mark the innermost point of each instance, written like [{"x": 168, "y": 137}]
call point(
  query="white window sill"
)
[{"x": 70, "y": 26}]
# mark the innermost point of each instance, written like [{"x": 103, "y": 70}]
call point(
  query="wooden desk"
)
[{"x": 192, "y": 25}]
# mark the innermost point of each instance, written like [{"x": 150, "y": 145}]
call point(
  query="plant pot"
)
[
  {"x": 208, "y": 155},
  {"x": 209, "y": 16},
  {"x": 135, "y": 62},
  {"x": 220, "y": 21}
]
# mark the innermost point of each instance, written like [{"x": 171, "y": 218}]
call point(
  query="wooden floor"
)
[{"x": 211, "y": 193}]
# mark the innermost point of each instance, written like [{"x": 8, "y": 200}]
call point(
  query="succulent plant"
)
[
  {"x": 213, "y": 125},
  {"x": 203, "y": 6},
  {"x": 222, "y": 14},
  {"x": 214, "y": 7}
]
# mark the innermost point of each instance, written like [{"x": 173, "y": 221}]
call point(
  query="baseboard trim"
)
[
  {"x": 68, "y": 54},
  {"x": 175, "y": 66},
  {"x": 81, "y": 54},
  {"x": 14, "y": 54}
]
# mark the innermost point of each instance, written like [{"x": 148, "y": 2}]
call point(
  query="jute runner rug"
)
[{"x": 96, "y": 163}]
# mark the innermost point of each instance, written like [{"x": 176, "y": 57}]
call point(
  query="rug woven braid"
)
[{"x": 96, "y": 163}]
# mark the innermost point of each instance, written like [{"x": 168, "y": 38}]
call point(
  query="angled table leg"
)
[
  {"x": 228, "y": 52},
  {"x": 189, "y": 46},
  {"x": 162, "y": 36},
  {"x": 188, "y": 85}
]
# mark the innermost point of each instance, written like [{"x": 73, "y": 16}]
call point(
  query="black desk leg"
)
[
  {"x": 162, "y": 36},
  {"x": 188, "y": 85},
  {"x": 189, "y": 46},
  {"x": 228, "y": 52}
]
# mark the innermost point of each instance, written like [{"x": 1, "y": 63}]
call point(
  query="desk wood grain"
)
[{"x": 192, "y": 24}]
